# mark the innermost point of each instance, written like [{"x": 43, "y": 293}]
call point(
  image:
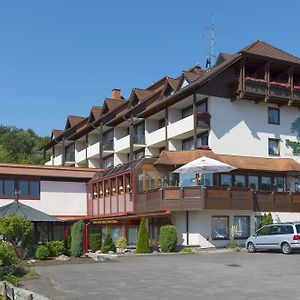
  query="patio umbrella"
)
[{"x": 204, "y": 165}]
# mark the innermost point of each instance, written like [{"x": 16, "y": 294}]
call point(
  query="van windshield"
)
[{"x": 298, "y": 228}]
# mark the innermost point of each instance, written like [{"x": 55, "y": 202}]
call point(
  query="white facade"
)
[
  {"x": 59, "y": 198},
  {"x": 242, "y": 128}
]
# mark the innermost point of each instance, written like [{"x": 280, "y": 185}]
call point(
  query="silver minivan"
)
[{"x": 284, "y": 236}]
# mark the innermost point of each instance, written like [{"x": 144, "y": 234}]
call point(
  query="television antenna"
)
[{"x": 210, "y": 34}]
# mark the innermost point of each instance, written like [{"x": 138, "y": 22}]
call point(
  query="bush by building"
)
[
  {"x": 76, "y": 239},
  {"x": 108, "y": 245},
  {"x": 7, "y": 254},
  {"x": 67, "y": 245},
  {"x": 143, "y": 238},
  {"x": 95, "y": 241},
  {"x": 122, "y": 242},
  {"x": 56, "y": 248},
  {"x": 168, "y": 238},
  {"x": 42, "y": 252}
]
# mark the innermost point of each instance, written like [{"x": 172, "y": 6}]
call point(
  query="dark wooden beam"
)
[
  {"x": 86, "y": 149},
  {"x": 291, "y": 83},
  {"x": 195, "y": 120},
  {"x": 166, "y": 128},
  {"x": 101, "y": 145},
  {"x": 267, "y": 78},
  {"x": 131, "y": 138},
  {"x": 63, "y": 156}
]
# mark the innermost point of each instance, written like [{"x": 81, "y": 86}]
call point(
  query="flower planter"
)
[
  {"x": 255, "y": 86},
  {"x": 279, "y": 91}
]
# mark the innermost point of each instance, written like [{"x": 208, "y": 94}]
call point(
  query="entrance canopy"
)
[{"x": 19, "y": 209}]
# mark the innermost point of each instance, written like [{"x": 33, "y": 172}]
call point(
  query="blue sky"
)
[{"x": 61, "y": 57}]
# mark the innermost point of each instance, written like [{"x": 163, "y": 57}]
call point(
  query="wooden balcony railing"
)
[
  {"x": 221, "y": 198},
  {"x": 203, "y": 120}
]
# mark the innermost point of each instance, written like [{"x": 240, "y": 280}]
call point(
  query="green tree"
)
[
  {"x": 76, "y": 239},
  {"x": 266, "y": 219},
  {"x": 16, "y": 230},
  {"x": 108, "y": 244},
  {"x": 168, "y": 238},
  {"x": 21, "y": 146},
  {"x": 143, "y": 238}
]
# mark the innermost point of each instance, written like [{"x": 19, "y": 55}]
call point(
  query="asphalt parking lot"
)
[{"x": 197, "y": 276}]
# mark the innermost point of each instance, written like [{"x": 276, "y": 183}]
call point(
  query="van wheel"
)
[
  {"x": 251, "y": 248},
  {"x": 286, "y": 248}
]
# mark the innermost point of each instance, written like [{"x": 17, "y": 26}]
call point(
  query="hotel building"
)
[{"x": 244, "y": 111}]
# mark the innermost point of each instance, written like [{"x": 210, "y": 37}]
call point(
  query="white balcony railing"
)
[
  {"x": 93, "y": 150},
  {"x": 181, "y": 128},
  {"x": 122, "y": 145},
  {"x": 80, "y": 156},
  {"x": 156, "y": 137}
]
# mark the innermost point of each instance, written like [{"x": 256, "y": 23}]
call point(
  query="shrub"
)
[
  {"x": 234, "y": 245},
  {"x": 67, "y": 245},
  {"x": 122, "y": 242},
  {"x": 11, "y": 278},
  {"x": 56, "y": 248},
  {"x": 94, "y": 241},
  {"x": 7, "y": 254},
  {"x": 108, "y": 245},
  {"x": 168, "y": 238},
  {"x": 76, "y": 239},
  {"x": 42, "y": 252},
  {"x": 186, "y": 250},
  {"x": 143, "y": 238}
]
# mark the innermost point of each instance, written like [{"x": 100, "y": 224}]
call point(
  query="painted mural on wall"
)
[{"x": 295, "y": 146}]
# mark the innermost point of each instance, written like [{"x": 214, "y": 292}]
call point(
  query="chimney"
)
[{"x": 116, "y": 94}]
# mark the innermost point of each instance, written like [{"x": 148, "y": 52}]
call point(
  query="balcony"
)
[
  {"x": 156, "y": 138},
  {"x": 256, "y": 87},
  {"x": 203, "y": 120},
  {"x": 215, "y": 198},
  {"x": 182, "y": 128},
  {"x": 122, "y": 145},
  {"x": 93, "y": 151},
  {"x": 80, "y": 156}
]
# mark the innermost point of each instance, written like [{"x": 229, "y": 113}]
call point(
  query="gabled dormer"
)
[
  {"x": 95, "y": 114},
  {"x": 169, "y": 88},
  {"x": 73, "y": 121},
  {"x": 138, "y": 96}
]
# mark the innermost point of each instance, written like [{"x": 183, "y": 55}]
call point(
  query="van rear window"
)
[{"x": 298, "y": 228}]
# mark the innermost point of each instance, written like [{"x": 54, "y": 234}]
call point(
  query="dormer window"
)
[{"x": 184, "y": 83}]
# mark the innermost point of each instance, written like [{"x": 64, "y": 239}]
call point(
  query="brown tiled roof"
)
[
  {"x": 74, "y": 120},
  {"x": 143, "y": 94},
  {"x": 56, "y": 133},
  {"x": 157, "y": 85},
  {"x": 114, "y": 103},
  {"x": 96, "y": 111},
  {"x": 241, "y": 162},
  {"x": 173, "y": 82},
  {"x": 192, "y": 76},
  {"x": 262, "y": 48}
]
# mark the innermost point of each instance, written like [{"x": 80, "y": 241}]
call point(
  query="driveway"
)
[{"x": 200, "y": 276}]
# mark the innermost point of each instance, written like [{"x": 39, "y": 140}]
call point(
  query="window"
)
[
  {"x": 279, "y": 184},
  {"x": 274, "y": 147},
  {"x": 29, "y": 189},
  {"x": 202, "y": 140},
  {"x": 273, "y": 115},
  {"x": 226, "y": 180},
  {"x": 220, "y": 228},
  {"x": 70, "y": 152},
  {"x": 108, "y": 162},
  {"x": 139, "y": 133},
  {"x": 202, "y": 107},
  {"x": 8, "y": 188},
  {"x": 263, "y": 231},
  {"x": 240, "y": 180},
  {"x": 132, "y": 233},
  {"x": 266, "y": 183},
  {"x": 184, "y": 84},
  {"x": 253, "y": 182},
  {"x": 161, "y": 123},
  {"x": 243, "y": 226},
  {"x": 138, "y": 154},
  {"x": 188, "y": 144},
  {"x": 188, "y": 111},
  {"x": 115, "y": 232},
  {"x": 108, "y": 140}
]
